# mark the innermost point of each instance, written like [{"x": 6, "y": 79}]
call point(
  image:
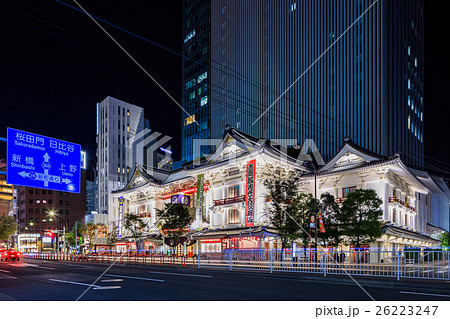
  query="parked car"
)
[{"x": 10, "y": 254}]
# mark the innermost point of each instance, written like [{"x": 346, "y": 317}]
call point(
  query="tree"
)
[
  {"x": 89, "y": 231},
  {"x": 8, "y": 226},
  {"x": 287, "y": 208},
  {"x": 361, "y": 212},
  {"x": 445, "y": 238},
  {"x": 136, "y": 227},
  {"x": 112, "y": 236},
  {"x": 77, "y": 231},
  {"x": 174, "y": 219},
  {"x": 332, "y": 219}
]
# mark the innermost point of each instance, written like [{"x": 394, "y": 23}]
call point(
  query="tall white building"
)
[{"x": 119, "y": 128}]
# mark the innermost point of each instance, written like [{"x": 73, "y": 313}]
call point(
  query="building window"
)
[
  {"x": 233, "y": 216},
  {"x": 128, "y": 128},
  {"x": 67, "y": 203},
  {"x": 30, "y": 201},
  {"x": 37, "y": 210},
  {"x": 233, "y": 191},
  {"x": 409, "y": 122},
  {"x": 37, "y": 191},
  {"x": 30, "y": 191},
  {"x": 348, "y": 190},
  {"x": 30, "y": 210},
  {"x": 66, "y": 212},
  {"x": 233, "y": 172},
  {"x": 204, "y": 101},
  {"x": 50, "y": 201},
  {"x": 128, "y": 113},
  {"x": 38, "y": 201},
  {"x": 50, "y": 192},
  {"x": 394, "y": 216},
  {"x": 189, "y": 120},
  {"x": 202, "y": 77}
]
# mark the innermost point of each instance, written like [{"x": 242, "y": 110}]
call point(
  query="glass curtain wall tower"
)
[{"x": 349, "y": 68}]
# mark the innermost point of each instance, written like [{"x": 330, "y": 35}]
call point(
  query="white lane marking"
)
[
  {"x": 422, "y": 293},
  {"x": 108, "y": 287},
  {"x": 73, "y": 282},
  {"x": 2, "y": 270},
  {"x": 48, "y": 268},
  {"x": 2, "y": 276},
  {"x": 178, "y": 274},
  {"x": 111, "y": 280},
  {"x": 130, "y": 277}
]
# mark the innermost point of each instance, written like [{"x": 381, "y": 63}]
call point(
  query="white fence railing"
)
[{"x": 433, "y": 264}]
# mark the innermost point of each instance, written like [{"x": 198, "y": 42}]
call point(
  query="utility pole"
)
[{"x": 76, "y": 237}]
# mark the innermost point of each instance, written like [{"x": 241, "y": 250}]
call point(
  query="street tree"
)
[
  {"x": 8, "y": 226},
  {"x": 135, "y": 226},
  {"x": 89, "y": 231},
  {"x": 361, "y": 213},
  {"x": 287, "y": 208},
  {"x": 332, "y": 219},
  {"x": 75, "y": 236},
  {"x": 445, "y": 238},
  {"x": 174, "y": 219},
  {"x": 112, "y": 236}
]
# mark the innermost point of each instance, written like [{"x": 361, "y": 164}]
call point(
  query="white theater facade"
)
[{"x": 228, "y": 201}]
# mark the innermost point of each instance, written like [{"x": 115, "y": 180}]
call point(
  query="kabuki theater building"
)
[{"x": 228, "y": 202}]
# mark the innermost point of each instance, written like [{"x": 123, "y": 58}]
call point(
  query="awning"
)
[{"x": 259, "y": 231}]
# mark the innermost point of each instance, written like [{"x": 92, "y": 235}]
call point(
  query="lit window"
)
[
  {"x": 202, "y": 77},
  {"x": 123, "y": 170},
  {"x": 409, "y": 83},
  {"x": 44, "y": 201},
  {"x": 192, "y": 95},
  {"x": 348, "y": 190},
  {"x": 118, "y": 169},
  {"x": 415, "y": 61},
  {"x": 204, "y": 101},
  {"x": 421, "y": 116},
  {"x": 409, "y": 122},
  {"x": 189, "y": 36},
  {"x": 409, "y": 100},
  {"x": 189, "y": 120},
  {"x": 128, "y": 113},
  {"x": 128, "y": 128},
  {"x": 233, "y": 216},
  {"x": 38, "y": 201},
  {"x": 409, "y": 50}
]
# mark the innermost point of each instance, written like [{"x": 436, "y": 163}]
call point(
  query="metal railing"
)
[
  {"x": 413, "y": 263},
  {"x": 425, "y": 264}
]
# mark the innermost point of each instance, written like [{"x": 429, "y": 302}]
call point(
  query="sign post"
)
[{"x": 42, "y": 162}]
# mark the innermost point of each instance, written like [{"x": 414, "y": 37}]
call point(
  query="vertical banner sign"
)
[
  {"x": 199, "y": 206},
  {"x": 250, "y": 194},
  {"x": 120, "y": 216},
  {"x": 322, "y": 228}
]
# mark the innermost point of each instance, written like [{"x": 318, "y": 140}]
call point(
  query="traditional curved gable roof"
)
[
  {"x": 351, "y": 155},
  {"x": 237, "y": 144}
]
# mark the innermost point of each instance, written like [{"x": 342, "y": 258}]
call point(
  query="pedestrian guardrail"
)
[{"x": 419, "y": 264}]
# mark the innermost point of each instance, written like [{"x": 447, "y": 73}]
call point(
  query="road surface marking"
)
[
  {"x": 74, "y": 283},
  {"x": 111, "y": 280},
  {"x": 108, "y": 287},
  {"x": 48, "y": 268},
  {"x": 139, "y": 278},
  {"x": 422, "y": 293},
  {"x": 2, "y": 270},
  {"x": 2, "y": 276},
  {"x": 178, "y": 274}
]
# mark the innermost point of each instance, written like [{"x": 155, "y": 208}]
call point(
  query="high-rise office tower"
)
[
  {"x": 308, "y": 69},
  {"x": 119, "y": 128}
]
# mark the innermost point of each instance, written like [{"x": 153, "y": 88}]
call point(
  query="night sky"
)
[{"x": 56, "y": 64}]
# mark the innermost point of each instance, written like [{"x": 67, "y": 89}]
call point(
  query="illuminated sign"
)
[
  {"x": 210, "y": 241},
  {"x": 47, "y": 239},
  {"x": 42, "y": 162},
  {"x": 250, "y": 192},
  {"x": 121, "y": 200},
  {"x": 241, "y": 238},
  {"x": 180, "y": 199},
  {"x": 165, "y": 150},
  {"x": 83, "y": 163}
]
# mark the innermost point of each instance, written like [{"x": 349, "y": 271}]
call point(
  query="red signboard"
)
[
  {"x": 250, "y": 194},
  {"x": 322, "y": 228},
  {"x": 212, "y": 240}
]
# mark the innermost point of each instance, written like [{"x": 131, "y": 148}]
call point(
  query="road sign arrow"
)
[
  {"x": 24, "y": 174},
  {"x": 46, "y": 157},
  {"x": 66, "y": 180}
]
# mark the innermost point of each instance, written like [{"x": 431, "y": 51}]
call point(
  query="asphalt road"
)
[{"x": 46, "y": 280}]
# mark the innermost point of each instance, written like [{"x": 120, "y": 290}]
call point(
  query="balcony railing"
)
[
  {"x": 395, "y": 199},
  {"x": 230, "y": 200},
  {"x": 143, "y": 215}
]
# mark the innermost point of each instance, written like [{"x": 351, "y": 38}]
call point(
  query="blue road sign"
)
[{"x": 42, "y": 162}]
